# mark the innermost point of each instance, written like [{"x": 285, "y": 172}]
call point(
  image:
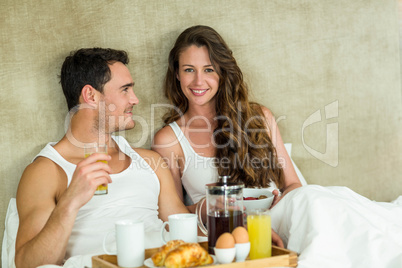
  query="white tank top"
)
[
  {"x": 198, "y": 170},
  {"x": 133, "y": 194}
]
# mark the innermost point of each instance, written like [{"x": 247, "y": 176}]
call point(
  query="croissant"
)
[
  {"x": 188, "y": 255},
  {"x": 159, "y": 257}
]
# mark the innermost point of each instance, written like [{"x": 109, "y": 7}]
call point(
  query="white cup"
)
[
  {"x": 181, "y": 226},
  {"x": 130, "y": 243}
]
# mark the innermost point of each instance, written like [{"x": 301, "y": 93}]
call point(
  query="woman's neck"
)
[{"x": 200, "y": 115}]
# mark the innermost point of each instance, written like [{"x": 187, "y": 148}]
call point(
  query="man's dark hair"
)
[{"x": 88, "y": 66}]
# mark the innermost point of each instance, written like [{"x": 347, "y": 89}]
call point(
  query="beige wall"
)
[{"x": 298, "y": 57}]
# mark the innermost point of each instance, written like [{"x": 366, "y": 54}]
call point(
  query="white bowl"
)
[
  {"x": 225, "y": 255},
  {"x": 260, "y": 203}
]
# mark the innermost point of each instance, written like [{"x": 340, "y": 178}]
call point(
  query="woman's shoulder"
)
[
  {"x": 165, "y": 139},
  {"x": 265, "y": 111},
  {"x": 165, "y": 135},
  {"x": 166, "y": 144},
  {"x": 147, "y": 154}
]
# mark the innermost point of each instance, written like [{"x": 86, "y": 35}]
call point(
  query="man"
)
[{"x": 59, "y": 214}]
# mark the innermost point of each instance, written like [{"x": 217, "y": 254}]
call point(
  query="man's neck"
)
[{"x": 83, "y": 129}]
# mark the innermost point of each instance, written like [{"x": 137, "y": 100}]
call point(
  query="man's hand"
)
[{"x": 89, "y": 174}]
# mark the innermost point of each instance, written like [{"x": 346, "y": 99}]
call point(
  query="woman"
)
[{"x": 213, "y": 128}]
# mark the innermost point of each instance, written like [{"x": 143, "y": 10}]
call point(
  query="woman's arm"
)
[
  {"x": 166, "y": 144},
  {"x": 291, "y": 180},
  {"x": 169, "y": 203}
]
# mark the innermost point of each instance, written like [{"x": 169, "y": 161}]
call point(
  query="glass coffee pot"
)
[{"x": 224, "y": 209}]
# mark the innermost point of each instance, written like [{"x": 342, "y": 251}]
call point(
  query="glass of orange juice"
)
[
  {"x": 100, "y": 149},
  {"x": 259, "y": 231}
]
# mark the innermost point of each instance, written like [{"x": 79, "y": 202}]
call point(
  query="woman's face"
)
[{"x": 198, "y": 78}]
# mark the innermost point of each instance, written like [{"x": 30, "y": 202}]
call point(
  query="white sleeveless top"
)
[
  {"x": 133, "y": 194},
  {"x": 198, "y": 170}
]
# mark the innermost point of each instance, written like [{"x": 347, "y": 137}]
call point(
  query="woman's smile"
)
[{"x": 198, "y": 92}]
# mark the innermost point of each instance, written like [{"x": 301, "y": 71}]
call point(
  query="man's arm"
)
[
  {"x": 47, "y": 210},
  {"x": 36, "y": 201}
]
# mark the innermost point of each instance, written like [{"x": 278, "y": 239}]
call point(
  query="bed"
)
[
  {"x": 327, "y": 227},
  {"x": 336, "y": 227}
]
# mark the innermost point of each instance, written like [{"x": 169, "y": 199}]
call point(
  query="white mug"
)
[
  {"x": 181, "y": 226},
  {"x": 130, "y": 243}
]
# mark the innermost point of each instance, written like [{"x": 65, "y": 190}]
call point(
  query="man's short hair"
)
[{"x": 88, "y": 66}]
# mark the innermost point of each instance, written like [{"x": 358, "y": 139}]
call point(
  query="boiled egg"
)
[
  {"x": 225, "y": 240},
  {"x": 240, "y": 235}
]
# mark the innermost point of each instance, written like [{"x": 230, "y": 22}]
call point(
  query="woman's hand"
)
[
  {"x": 277, "y": 240},
  {"x": 277, "y": 198}
]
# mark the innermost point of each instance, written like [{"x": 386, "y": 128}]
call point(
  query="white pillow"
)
[
  {"x": 288, "y": 147},
  {"x": 10, "y": 234}
]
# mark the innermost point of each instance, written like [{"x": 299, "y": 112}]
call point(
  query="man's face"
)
[{"x": 118, "y": 99}]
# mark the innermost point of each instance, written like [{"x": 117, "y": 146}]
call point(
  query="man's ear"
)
[{"x": 88, "y": 94}]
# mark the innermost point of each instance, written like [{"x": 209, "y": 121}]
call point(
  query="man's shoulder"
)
[
  {"x": 41, "y": 173},
  {"x": 41, "y": 163},
  {"x": 41, "y": 169}
]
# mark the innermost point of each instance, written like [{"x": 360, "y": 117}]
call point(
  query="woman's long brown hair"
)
[{"x": 241, "y": 138}]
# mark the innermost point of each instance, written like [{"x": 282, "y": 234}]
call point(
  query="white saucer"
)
[{"x": 202, "y": 239}]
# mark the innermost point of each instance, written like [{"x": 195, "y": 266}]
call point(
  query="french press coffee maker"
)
[{"x": 224, "y": 209}]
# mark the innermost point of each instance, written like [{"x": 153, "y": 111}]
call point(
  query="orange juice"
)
[
  {"x": 259, "y": 231},
  {"x": 103, "y": 161},
  {"x": 101, "y": 189}
]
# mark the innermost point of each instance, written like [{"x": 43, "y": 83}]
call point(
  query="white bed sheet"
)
[{"x": 336, "y": 227}]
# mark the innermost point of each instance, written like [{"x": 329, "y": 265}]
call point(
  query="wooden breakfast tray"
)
[{"x": 280, "y": 257}]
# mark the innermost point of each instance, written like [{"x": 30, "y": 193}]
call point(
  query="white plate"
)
[
  {"x": 202, "y": 239},
  {"x": 149, "y": 263}
]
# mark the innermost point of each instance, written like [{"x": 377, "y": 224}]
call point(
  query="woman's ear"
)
[
  {"x": 88, "y": 95},
  {"x": 177, "y": 76}
]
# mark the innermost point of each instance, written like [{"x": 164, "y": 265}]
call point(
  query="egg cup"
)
[
  {"x": 225, "y": 255},
  {"x": 242, "y": 251}
]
